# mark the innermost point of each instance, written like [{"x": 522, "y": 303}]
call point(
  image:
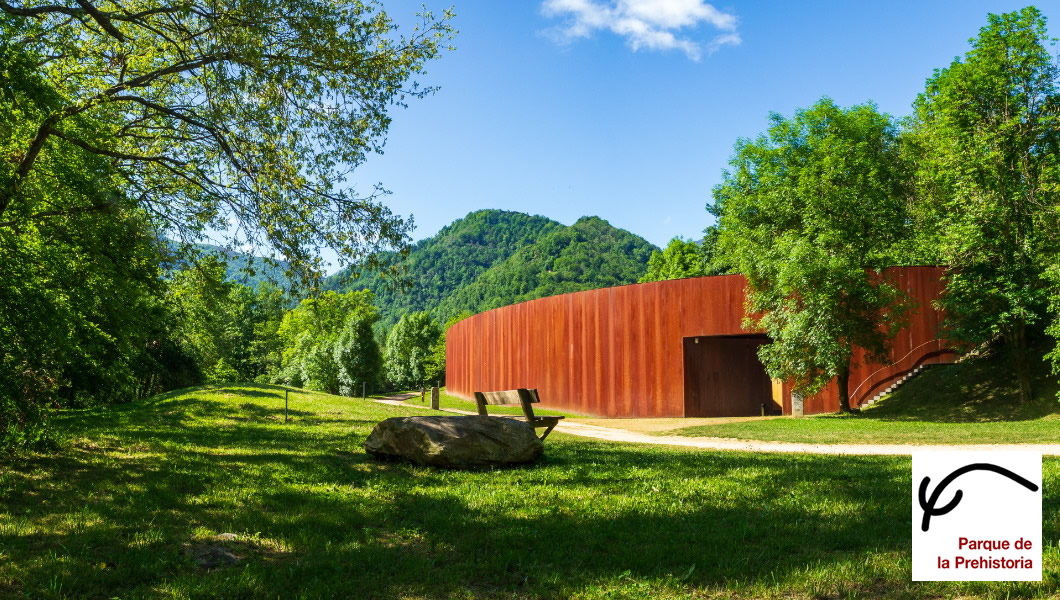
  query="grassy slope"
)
[
  {"x": 973, "y": 402},
  {"x": 140, "y": 488}
]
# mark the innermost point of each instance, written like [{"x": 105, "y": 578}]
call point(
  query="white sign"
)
[{"x": 977, "y": 516}]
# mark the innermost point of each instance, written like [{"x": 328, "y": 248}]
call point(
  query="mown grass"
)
[
  {"x": 139, "y": 491},
  {"x": 972, "y": 402},
  {"x": 450, "y": 402},
  {"x": 868, "y": 429}
]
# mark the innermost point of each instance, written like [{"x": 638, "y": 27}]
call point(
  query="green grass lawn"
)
[
  {"x": 973, "y": 402},
  {"x": 138, "y": 491},
  {"x": 447, "y": 401},
  {"x": 868, "y": 429}
]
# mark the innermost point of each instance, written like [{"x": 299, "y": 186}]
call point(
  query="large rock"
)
[{"x": 455, "y": 441}]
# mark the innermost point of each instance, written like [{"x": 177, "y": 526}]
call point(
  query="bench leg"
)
[{"x": 549, "y": 430}]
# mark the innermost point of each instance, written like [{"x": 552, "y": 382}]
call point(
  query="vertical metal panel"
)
[{"x": 619, "y": 351}]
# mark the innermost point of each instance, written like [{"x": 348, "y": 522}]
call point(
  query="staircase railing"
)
[{"x": 868, "y": 379}]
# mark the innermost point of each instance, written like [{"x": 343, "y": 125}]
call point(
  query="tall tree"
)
[
  {"x": 325, "y": 343},
  {"x": 211, "y": 316},
  {"x": 986, "y": 133},
  {"x": 356, "y": 352},
  {"x": 809, "y": 214},
  {"x": 237, "y": 115},
  {"x": 408, "y": 355},
  {"x": 79, "y": 291}
]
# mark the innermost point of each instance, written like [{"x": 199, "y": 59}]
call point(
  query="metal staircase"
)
[{"x": 904, "y": 378}]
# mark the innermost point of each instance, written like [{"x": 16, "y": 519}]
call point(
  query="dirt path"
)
[
  {"x": 620, "y": 435},
  {"x": 396, "y": 400},
  {"x": 611, "y": 434}
]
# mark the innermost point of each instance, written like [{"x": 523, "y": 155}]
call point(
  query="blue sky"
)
[{"x": 629, "y": 109}]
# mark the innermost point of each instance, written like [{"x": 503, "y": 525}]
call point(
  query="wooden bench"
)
[{"x": 523, "y": 397}]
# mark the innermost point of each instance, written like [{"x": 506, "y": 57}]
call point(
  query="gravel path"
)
[{"x": 712, "y": 443}]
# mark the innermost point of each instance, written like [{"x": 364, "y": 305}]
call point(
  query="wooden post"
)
[
  {"x": 435, "y": 397},
  {"x": 423, "y": 393},
  {"x": 364, "y": 390},
  {"x": 286, "y": 392}
]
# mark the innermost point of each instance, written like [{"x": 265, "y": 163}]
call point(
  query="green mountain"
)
[
  {"x": 451, "y": 259},
  {"x": 241, "y": 268},
  {"x": 589, "y": 254},
  {"x": 493, "y": 258}
]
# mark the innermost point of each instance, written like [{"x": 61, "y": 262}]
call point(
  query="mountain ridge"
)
[{"x": 492, "y": 258}]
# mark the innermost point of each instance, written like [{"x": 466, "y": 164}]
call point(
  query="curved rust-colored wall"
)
[{"x": 620, "y": 352}]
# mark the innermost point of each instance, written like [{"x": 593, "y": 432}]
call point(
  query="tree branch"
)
[
  {"x": 111, "y": 153},
  {"x": 57, "y": 213},
  {"x": 102, "y": 19}
]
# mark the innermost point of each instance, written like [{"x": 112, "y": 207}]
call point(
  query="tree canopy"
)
[
  {"x": 80, "y": 296},
  {"x": 243, "y": 116},
  {"x": 410, "y": 358},
  {"x": 809, "y": 214},
  {"x": 681, "y": 259},
  {"x": 986, "y": 134}
]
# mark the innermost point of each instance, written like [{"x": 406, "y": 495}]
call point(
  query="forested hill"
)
[
  {"x": 589, "y": 254},
  {"x": 493, "y": 258},
  {"x": 244, "y": 268},
  {"x": 451, "y": 259}
]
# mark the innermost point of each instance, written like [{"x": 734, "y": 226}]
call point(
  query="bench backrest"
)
[
  {"x": 508, "y": 397},
  {"x": 521, "y": 396}
]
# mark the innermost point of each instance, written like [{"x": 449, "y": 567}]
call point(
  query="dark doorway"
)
[{"x": 724, "y": 378}]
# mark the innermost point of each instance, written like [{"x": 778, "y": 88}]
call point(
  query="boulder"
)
[{"x": 463, "y": 441}]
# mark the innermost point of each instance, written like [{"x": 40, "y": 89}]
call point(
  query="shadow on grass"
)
[
  {"x": 318, "y": 518},
  {"x": 974, "y": 391}
]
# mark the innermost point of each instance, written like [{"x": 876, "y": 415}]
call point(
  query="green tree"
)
[
  {"x": 409, "y": 345},
  {"x": 810, "y": 213},
  {"x": 79, "y": 291},
  {"x": 266, "y": 346},
  {"x": 356, "y": 352},
  {"x": 986, "y": 133},
  {"x": 237, "y": 115},
  {"x": 210, "y": 313},
  {"x": 681, "y": 259},
  {"x": 311, "y": 335}
]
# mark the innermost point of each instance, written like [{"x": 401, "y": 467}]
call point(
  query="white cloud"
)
[{"x": 648, "y": 24}]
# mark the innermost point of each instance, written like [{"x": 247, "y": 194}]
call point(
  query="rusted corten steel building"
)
[{"x": 664, "y": 349}]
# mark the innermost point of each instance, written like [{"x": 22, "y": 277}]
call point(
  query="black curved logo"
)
[{"x": 929, "y": 504}]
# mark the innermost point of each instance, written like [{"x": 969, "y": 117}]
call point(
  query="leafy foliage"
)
[
  {"x": 987, "y": 139},
  {"x": 589, "y": 254},
  {"x": 240, "y": 267},
  {"x": 411, "y": 353},
  {"x": 681, "y": 259},
  {"x": 356, "y": 352},
  {"x": 239, "y": 115},
  {"x": 810, "y": 214},
  {"x": 79, "y": 291},
  {"x": 328, "y": 343},
  {"x": 451, "y": 259},
  {"x": 226, "y": 330}
]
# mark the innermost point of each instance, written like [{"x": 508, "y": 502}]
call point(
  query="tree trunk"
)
[
  {"x": 843, "y": 383},
  {"x": 1015, "y": 338}
]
